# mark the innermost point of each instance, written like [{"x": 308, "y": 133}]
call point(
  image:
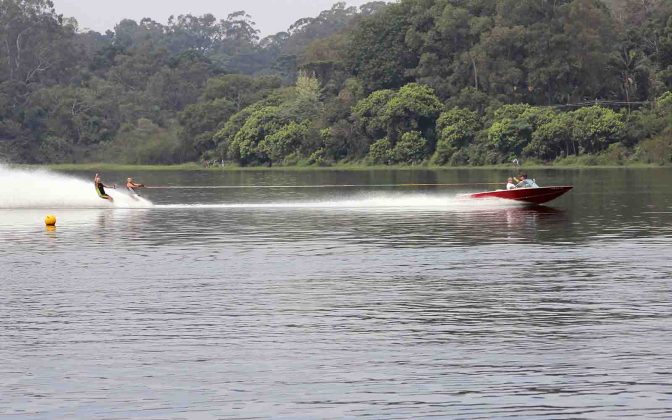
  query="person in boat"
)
[
  {"x": 509, "y": 184},
  {"x": 525, "y": 182},
  {"x": 100, "y": 188},
  {"x": 132, "y": 186}
]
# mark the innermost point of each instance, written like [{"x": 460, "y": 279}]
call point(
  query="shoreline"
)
[{"x": 194, "y": 167}]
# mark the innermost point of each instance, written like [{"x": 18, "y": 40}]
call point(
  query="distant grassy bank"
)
[{"x": 112, "y": 167}]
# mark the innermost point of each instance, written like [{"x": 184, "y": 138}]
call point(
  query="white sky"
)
[{"x": 271, "y": 16}]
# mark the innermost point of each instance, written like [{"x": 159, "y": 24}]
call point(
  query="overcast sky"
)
[{"x": 271, "y": 16}]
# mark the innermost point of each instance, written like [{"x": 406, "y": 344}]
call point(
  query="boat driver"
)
[{"x": 524, "y": 182}]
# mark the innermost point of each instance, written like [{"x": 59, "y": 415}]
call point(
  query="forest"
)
[{"x": 412, "y": 82}]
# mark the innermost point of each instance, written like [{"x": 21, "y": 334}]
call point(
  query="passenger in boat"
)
[
  {"x": 509, "y": 184},
  {"x": 524, "y": 182},
  {"x": 100, "y": 188}
]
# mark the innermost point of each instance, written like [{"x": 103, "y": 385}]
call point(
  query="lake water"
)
[{"x": 336, "y": 302}]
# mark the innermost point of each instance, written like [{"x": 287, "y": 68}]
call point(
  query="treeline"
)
[{"x": 448, "y": 82}]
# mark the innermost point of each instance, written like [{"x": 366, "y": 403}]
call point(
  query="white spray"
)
[
  {"x": 376, "y": 202},
  {"x": 42, "y": 189}
]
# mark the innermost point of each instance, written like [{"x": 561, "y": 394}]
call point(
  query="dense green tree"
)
[
  {"x": 552, "y": 139},
  {"x": 200, "y": 122},
  {"x": 595, "y": 128},
  {"x": 444, "y": 33},
  {"x": 37, "y": 43},
  {"x": 147, "y": 35},
  {"x": 369, "y": 114},
  {"x": 145, "y": 142},
  {"x": 270, "y": 130},
  {"x": 387, "y": 113},
  {"x": 304, "y": 31},
  {"x": 512, "y": 129},
  {"x": 222, "y": 97},
  {"x": 377, "y": 52},
  {"x": 198, "y": 33},
  {"x": 77, "y": 114},
  {"x": 588, "y": 26},
  {"x": 414, "y": 107},
  {"x": 411, "y": 148},
  {"x": 224, "y": 137},
  {"x": 342, "y": 141},
  {"x": 643, "y": 124},
  {"x": 263, "y": 122},
  {"x": 586, "y": 130},
  {"x": 240, "y": 89},
  {"x": 456, "y": 128},
  {"x": 381, "y": 152},
  {"x": 304, "y": 100},
  {"x": 181, "y": 82},
  {"x": 285, "y": 141},
  {"x": 132, "y": 70},
  {"x": 657, "y": 150}
]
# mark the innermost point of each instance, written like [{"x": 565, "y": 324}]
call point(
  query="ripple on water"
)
[{"x": 337, "y": 311}]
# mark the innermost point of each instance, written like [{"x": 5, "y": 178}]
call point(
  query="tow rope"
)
[{"x": 238, "y": 187}]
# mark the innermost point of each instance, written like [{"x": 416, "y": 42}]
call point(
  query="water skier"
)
[
  {"x": 100, "y": 188},
  {"x": 132, "y": 186}
]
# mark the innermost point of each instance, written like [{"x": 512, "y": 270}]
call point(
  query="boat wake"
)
[
  {"x": 372, "y": 202},
  {"x": 43, "y": 189}
]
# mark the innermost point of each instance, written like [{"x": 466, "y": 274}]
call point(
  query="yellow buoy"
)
[{"x": 50, "y": 220}]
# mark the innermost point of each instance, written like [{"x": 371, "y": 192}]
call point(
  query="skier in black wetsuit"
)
[{"x": 100, "y": 188}]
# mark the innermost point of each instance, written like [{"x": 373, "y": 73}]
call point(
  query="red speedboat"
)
[{"x": 539, "y": 195}]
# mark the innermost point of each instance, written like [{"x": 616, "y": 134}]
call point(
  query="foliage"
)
[
  {"x": 553, "y": 139},
  {"x": 586, "y": 130},
  {"x": 56, "y": 150},
  {"x": 144, "y": 143},
  {"x": 463, "y": 82},
  {"x": 242, "y": 90},
  {"x": 369, "y": 114},
  {"x": 411, "y": 148},
  {"x": 595, "y": 128},
  {"x": 343, "y": 142},
  {"x": 377, "y": 53},
  {"x": 414, "y": 107},
  {"x": 657, "y": 150},
  {"x": 304, "y": 101},
  {"x": 391, "y": 114},
  {"x": 513, "y": 128},
  {"x": 285, "y": 141},
  {"x": 456, "y": 128},
  {"x": 381, "y": 152},
  {"x": 201, "y": 121},
  {"x": 263, "y": 122}
]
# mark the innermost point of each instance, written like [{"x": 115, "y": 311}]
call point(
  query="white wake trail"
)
[
  {"x": 367, "y": 202},
  {"x": 43, "y": 189}
]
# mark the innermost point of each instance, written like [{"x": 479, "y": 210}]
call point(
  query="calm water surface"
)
[{"x": 341, "y": 302}]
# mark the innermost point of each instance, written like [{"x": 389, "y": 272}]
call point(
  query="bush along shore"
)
[{"x": 430, "y": 83}]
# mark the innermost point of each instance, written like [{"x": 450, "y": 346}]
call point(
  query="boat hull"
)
[{"x": 526, "y": 195}]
